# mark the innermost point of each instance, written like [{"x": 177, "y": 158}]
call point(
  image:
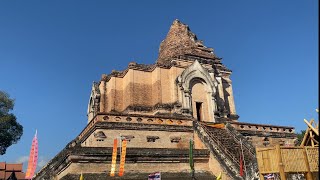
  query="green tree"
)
[
  {"x": 10, "y": 129},
  {"x": 300, "y": 137}
]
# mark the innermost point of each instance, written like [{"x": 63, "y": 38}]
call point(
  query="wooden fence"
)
[{"x": 283, "y": 160}]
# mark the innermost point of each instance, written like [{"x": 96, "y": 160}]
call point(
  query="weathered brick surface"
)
[
  {"x": 74, "y": 160},
  {"x": 179, "y": 41},
  {"x": 143, "y": 168},
  {"x": 140, "y": 139}
]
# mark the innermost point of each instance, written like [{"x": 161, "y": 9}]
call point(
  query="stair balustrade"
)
[{"x": 225, "y": 143}]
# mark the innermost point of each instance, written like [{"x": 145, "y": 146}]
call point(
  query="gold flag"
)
[
  {"x": 81, "y": 177},
  {"x": 123, "y": 157},
  {"x": 220, "y": 126},
  {"x": 219, "y": 176}
]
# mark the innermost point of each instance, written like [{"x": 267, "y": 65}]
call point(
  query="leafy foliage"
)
[
  {"x": 300, "y": 137},
  {"x": 10, "y": 130}
]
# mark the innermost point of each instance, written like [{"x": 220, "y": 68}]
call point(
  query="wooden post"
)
[
  {"x": 311, "y": 139},
  {"x": 281, "y": 165},
  {"x": 305, "y": 157},
  {"x": 304, "y": 140},
  {"x": 311, "y": 127},
  {"x": 260, "y": 164}
]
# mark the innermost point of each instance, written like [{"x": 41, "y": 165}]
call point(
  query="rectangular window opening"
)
[{"x": 199, "y": 110}]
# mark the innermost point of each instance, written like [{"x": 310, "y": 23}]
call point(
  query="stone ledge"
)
[
  {"x": 128, "y": 126},
  {"x": 266, "y": 134},
  {"x": 203, "y": 175},
  {"x": 240, "y": 126},
  {"x": 136, "y": 120},
  {"x": 139, "y": 151},
  {"x": 103, "y": 155}
]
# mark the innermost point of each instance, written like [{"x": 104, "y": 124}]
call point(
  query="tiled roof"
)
[
  {"x": 2, "y": 165},
  {"x": 14, "y": 167},
  {"x": 7, "y": 169}
]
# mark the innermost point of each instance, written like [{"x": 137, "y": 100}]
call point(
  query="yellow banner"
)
[
  {"x": 114, "y": 157},
  {"x": 123, "y": 157}
]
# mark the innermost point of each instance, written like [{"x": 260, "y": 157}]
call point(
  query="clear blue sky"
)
[{"x": 52, "y": 51}]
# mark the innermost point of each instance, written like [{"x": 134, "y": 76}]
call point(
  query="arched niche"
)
[{"x": 196, "y": 92}]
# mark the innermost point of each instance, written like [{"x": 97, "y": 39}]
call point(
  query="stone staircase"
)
[{"x": 224, "y": 144}]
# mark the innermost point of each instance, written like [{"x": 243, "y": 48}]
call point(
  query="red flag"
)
[
  {"x": 241, "y": 166},
  {"x": 114, "y": 157}
]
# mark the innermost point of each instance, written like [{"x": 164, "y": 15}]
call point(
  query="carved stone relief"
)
[{"x": 196, "y": 74}]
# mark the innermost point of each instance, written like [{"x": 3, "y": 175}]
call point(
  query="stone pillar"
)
[
  {"x": 231, "y": 101},
  {"x": 213, "y": 106},
  {"x": 220, "y": 88},
  {"x": 112, "y": 95},
  {"x": 102, "y": 88},
  {"x": 187, "y": 95},
  {"x": 230, "y": 98},
  {"x": 180, "y": 94},
  {"x": 158, "y": 92}
]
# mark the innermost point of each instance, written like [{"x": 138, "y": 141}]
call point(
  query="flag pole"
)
[{"x": 191, "y": 158}]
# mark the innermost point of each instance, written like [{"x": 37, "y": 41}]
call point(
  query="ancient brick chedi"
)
[{"x": 187, "y": 94}]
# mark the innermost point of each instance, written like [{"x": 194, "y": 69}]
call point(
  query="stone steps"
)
[
  {"x": 229, "y": 143},
  {"x": 227, "y": 149}
]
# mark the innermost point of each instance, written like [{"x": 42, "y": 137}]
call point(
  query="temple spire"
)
[{"x": 181, "y": 41}]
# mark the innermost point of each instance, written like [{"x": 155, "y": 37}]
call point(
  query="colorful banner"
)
[
  {"x": 114, "y": 157},
  {"x": 33, "y": 158},
  {"x": 154, "y": 176},
  {"x": 123, "y": 157},
  {"x": 269, "y": 176}
]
